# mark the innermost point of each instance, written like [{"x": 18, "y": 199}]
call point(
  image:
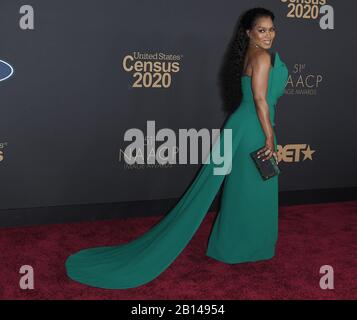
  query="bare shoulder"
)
[{"x": 261, "y": 59}]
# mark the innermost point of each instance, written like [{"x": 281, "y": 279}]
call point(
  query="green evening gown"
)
[{"x": 246, "y": 227}]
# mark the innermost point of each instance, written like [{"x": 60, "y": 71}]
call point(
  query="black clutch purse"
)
[{"x": 268, "y": 168}]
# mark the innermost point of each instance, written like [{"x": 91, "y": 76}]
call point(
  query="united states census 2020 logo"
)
[{"x": 6, "y": 70}]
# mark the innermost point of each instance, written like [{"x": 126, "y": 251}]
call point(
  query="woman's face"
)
[{"x": 262, "y": 33}]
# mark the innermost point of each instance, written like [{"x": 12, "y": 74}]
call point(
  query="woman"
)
[{"x": 246, "y": 226}]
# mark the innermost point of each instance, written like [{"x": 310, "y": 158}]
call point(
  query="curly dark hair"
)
[{"x": 232, "y": 66}]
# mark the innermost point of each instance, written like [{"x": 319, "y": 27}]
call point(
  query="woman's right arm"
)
[{"x": 260, "y": 77}]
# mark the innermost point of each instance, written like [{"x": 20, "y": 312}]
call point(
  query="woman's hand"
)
[{"x": 269, "y": 150}]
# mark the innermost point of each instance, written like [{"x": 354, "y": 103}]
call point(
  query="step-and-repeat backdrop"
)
[{"x": 77, "y": 75}]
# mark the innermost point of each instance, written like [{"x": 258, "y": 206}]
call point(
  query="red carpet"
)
[{"x": 309, "y": 236}]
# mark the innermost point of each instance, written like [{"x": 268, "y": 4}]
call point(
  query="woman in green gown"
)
[{"x": 246, "y": 227}]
